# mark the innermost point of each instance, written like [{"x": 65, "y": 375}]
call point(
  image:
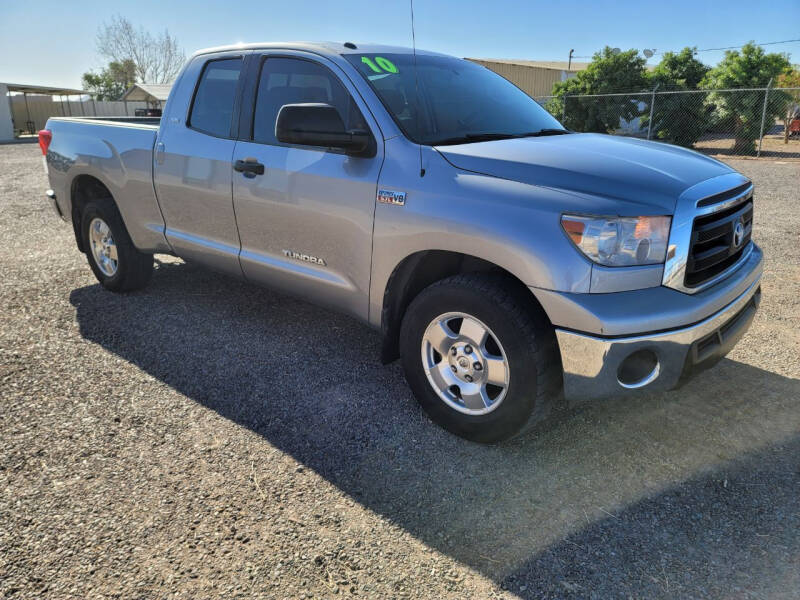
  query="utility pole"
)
[{"x": 569, "y": 62}]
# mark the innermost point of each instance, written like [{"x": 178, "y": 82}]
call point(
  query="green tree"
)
[
  {"x": 610, "y": 71},
  {"x": 680, "y": 70},
  {"x": 750, "y": 67},
  {"x": 111, "y": 82},
  {"x": 679, "y": 118}
]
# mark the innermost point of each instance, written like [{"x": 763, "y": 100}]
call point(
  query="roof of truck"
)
[{"x": 329, "y": 48}]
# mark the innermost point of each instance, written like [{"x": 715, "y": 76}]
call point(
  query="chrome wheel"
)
[
  {"x": 104, "y": 250},
  {"x": 465, "y": 363}
]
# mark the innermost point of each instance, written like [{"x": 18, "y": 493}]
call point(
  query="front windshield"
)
[{"x": 459, "y": 101}]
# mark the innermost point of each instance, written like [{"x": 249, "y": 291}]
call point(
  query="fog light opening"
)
[{"x": 639, "y": 369}]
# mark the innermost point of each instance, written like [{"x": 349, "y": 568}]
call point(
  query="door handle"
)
[
  {"x": 250, "y": 167},
  {"x": 160, "y": 153}
]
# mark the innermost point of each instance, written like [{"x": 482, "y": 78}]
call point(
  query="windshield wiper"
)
[
  {"x": 469, "y": 138},
  {"x": 544, "y": 132}
]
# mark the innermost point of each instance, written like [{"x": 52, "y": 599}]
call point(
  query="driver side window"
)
[{"x": 295, "y": 81}]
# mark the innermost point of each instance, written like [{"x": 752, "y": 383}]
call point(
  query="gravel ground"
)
[{"x": 204, "y": 438}]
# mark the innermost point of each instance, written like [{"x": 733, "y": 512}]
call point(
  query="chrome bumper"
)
[{"x": 596, "y": 367}]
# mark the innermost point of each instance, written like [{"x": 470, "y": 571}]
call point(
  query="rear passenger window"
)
[
  {"x": 212, "y": 109},
  {"x": 295, "y": 81}
]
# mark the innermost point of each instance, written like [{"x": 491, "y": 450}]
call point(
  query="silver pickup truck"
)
[{"x": 503, "y": 258}]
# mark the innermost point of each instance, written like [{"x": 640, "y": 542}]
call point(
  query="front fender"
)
[{"x": 512, "y": 225}]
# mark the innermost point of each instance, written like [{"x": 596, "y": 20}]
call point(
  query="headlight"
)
[{"x": 619, "y": 241}]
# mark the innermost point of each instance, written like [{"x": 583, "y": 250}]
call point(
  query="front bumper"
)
[{"x": 599, "y": 367}]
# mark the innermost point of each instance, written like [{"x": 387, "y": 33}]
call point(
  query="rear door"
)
[
  {"x": 306, "y": 223},
  {"x": 193, "y": 172}
]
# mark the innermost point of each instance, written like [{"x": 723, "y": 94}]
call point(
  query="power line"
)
[
  {"x": 724, "y": 47},
  {"x": 735, "y": 47}
]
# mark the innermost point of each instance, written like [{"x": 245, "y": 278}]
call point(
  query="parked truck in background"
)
[{"x": 503, "y": 258}]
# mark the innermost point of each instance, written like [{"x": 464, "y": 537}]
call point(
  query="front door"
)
[
  {"x": 193, "y": 172},
  {"x": 305, "y": 224}
]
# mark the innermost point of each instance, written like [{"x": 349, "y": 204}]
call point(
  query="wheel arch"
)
[
  {"x": 417, "y": 271},
  {"x": 83, "y": 189}
]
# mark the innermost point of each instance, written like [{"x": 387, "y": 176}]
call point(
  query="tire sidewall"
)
[
  {"x": 519, "y": 401},
  {"x": 90, "y": 212}
]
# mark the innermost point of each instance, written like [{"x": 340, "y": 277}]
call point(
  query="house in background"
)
[
  {"x": 534, "y": 77},
  {"x": 154, "y": 94}
]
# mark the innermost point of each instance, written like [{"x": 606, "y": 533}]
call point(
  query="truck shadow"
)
[{"x": 608, "y": 488}]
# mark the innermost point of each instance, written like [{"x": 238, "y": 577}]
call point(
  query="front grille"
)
[{"x": 712, "y": 249}]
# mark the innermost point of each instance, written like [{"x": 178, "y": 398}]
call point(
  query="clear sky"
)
[{"x": 53, "y": 42}]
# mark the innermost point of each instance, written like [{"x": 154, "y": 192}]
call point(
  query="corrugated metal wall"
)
[
  {"x": 534, "y": 81},
  {"x": 42, "y": 108}
]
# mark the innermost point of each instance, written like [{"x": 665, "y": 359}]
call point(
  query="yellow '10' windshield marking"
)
[{"x": 380, "y": 64}]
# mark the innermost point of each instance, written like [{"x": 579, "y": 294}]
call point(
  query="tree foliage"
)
[
  {"x": 157, "y": 58},
  {"x": 610, "y": 71},
  {"x": 111, "y": 82},
  {"x": 679, "y": 70},
  {"x": 790, "y": 79},
  {"x": 679, "y": 118},
  {"x": 748, "y": 68}
]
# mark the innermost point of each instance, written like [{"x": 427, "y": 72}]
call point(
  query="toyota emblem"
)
[{"x": 738, "y": 234}]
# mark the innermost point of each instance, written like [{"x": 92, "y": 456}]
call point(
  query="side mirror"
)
[{"x": 319, "y": 125}]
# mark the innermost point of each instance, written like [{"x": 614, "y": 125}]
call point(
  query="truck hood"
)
[{"x": 647, "y": 174}]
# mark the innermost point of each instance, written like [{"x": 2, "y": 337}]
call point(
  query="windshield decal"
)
[{"x": 380, "y": 65}]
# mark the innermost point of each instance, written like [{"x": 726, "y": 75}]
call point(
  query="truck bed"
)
[
  {"x": 118, "y": 152},
  {"x": 143, "y": 122}
]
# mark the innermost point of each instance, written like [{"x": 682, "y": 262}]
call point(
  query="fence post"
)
[
  {"x": 564, "y": 109},
  {"x": 763, "y": 116},
  {"x": 652, "y": 105}
]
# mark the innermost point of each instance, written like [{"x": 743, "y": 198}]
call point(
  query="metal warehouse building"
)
[{"x": 534, "y": 77}]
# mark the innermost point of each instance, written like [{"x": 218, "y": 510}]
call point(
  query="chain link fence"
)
[{"x": 760, "y": 122}]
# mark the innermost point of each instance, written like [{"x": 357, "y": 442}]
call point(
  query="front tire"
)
[
  {"x": 480, "y": 357},
  {"x": 113, "y": 258}
]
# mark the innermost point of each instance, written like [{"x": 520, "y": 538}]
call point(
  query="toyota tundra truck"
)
[{"x": 507, "y": 261}]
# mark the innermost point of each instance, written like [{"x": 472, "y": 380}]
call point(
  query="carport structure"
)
[{"x": 7, "y": 125}]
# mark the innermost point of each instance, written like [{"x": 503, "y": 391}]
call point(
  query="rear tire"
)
[
  {"x": 485, "y": 390},
  {"x": 113, "y": 258}
]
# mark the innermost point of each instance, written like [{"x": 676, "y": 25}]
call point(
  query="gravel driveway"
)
[{"x": 204, "y": 438}]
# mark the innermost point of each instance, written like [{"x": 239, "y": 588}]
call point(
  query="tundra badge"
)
[{"x": 304, "y": 257}]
